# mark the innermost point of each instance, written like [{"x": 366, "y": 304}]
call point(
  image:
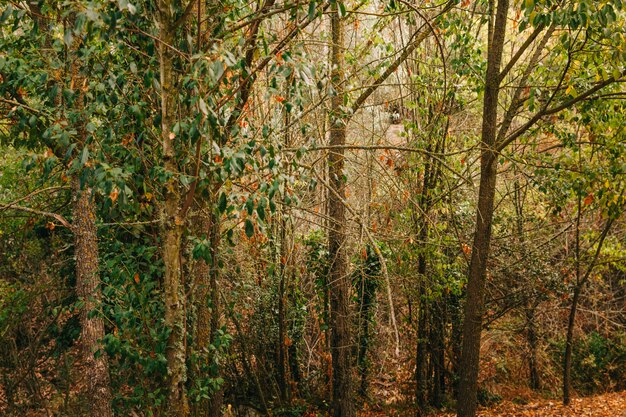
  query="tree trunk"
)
[
  {"x": 421, "y": 374},
  {"x": 456, "y": 338},
  {"x": 569, "y": 343},
  {"x": 339, "y": 279},
  {"x": 474, "y": 303},
  {"x": 88, "y": 290},
  {"x": 282, "y": 331},
  {"x": 206, "y": 298},
  {"x": 217, "y": 398},
  {"x": 437, "y": 354},
  {"x": 531, "y": 335},
  {"x": 172, "y": 224}
]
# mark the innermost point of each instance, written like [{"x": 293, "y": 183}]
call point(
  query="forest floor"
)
[{"x": 606, "y": 405}]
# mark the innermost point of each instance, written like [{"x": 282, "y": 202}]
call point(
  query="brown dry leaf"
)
[{"x": 606, "y": 405}]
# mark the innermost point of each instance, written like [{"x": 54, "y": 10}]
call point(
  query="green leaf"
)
[
  {"x": 249, "y": 228},
  {"x": 342, "y": 9},
  {"x": 617, "y": 74},
  {"x": 312, "y": 10},
  {"x": 250, "y": 205},
  {"x": 261, "y": 208},
  {"x": 84, "y": 156},
  {"x": 203, "y": 107},
  {"x": 218, "y": 70},
  {"x": 67, "y": 38},
  {"x": 221, "y": 203}
]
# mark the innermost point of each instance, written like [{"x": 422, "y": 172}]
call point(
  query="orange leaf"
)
[
  {"x": 114, "y": 194},
  {"x": 588, "y": 200}
]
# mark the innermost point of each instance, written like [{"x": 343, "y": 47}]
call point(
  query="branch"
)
[
  {"x": 547, "y": 112},
  {"x": 24, "y": 105},
  {"x": 184, "y": 16},
  {"x": 243, "y": 86},
  {"x": 517, "y": 99},
  {"x": 55, "y": 216},
  {"x": 379, "y": 254},
  {"x": 521, "y": 51},
  {"x": 420, "y": 35},
  {"x": 435, "y": 155},
  {"x": 605, "y": 232}
]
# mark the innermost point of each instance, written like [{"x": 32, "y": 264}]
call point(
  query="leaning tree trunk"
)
[
  {"x": 580, "y": 284},
  {"x": 339, "y": 279},
  {"x": 474, "y": 303},
  {"x": 88, "y": 290}
]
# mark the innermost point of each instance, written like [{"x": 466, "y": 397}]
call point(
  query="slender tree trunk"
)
[
  {"x": 88, "y": 290},
  {"x": 474, "y": 303},
  {"x": 421, "y": 374},
  {"x": 207, "y": 306},
  {"x": 437, "y": 354},
  {"x": 366, "y": 302},
  {"x": 339, "y": 279},
  {"x": 282, "y": 331},
  {"x": 201, "y": 331},
  {"x": 456, "y": 337},
  {"x": 531, "y": 335},
  {"x": 172, "y": 223},
  {"x": 569, "y": 344},
  {"x": 569, "y": 341},
  {"x": 531, "y": 305},
  {"x": 217, "y": 398}
]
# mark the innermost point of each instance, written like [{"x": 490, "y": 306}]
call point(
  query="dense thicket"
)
[{"x": 298, "y": 207}]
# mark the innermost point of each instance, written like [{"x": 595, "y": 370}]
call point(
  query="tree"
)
[{"x": 494, "y": 140}]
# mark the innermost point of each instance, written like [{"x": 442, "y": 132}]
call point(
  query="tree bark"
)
[
  {"x": 580, "y": 284},
  {"x": 474, "y": 303},
  {"x": 88, "y": 290},
  {"x": 569, "y": 344},
  {"x": 421, "y": 374},
  {"x": 217, "y": 398},
  {"x": 533, "y": 371},
  {"x": 172, "y": 223},
  {"x": 339, "y": 279},
  {"x": 437, "y": 353},
  {"x": 206, "y": 299}
]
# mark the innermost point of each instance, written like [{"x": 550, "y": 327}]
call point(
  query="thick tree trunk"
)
[
  {"x": 172, "y": 224},
  {"x": 339, "y": 278},
  {"x": 474, "y": 303},
  {"x": 88, "y": 290}
]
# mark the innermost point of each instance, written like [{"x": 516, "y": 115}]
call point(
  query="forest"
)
[{"x": 310, "y": 208}]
